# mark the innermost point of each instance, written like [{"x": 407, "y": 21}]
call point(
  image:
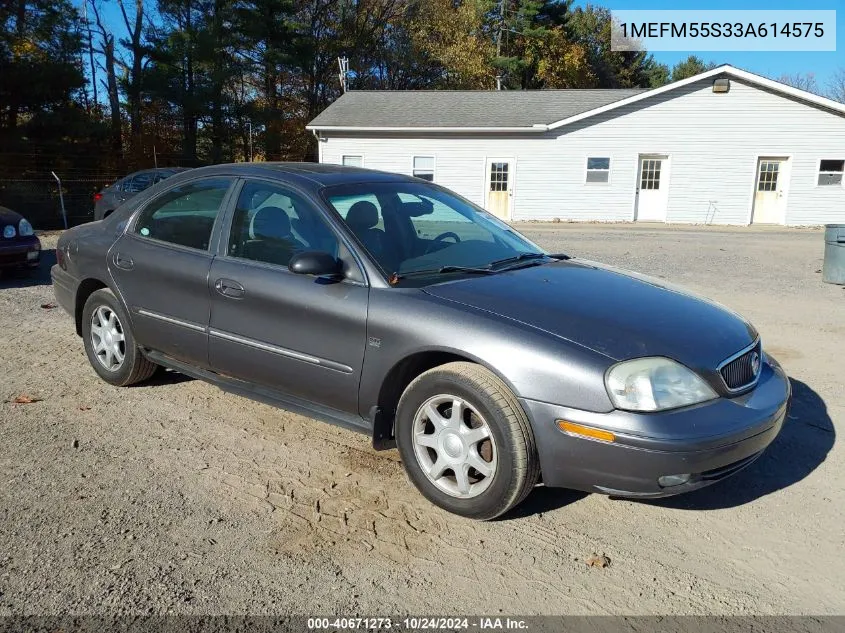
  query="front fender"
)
[{"x": 533, "y": 363}]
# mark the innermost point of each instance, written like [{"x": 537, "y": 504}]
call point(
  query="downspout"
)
[{"x": 319, "y": 148}]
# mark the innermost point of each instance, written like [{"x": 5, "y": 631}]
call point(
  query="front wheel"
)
[
  {"x": 465, "y": 441},
  {"x": 109, "y": 343}
]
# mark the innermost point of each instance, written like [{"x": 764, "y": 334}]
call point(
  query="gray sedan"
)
[
  {"x": 114, "y": 195},
  {"x": 393, "y": 307}
]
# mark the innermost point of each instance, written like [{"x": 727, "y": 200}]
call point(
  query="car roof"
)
[
  {"x": 309, "y": 175},
  {"x": 154, "y": 170}
]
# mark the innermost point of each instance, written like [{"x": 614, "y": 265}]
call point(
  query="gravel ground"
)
[{"x": 174, "y": 497}]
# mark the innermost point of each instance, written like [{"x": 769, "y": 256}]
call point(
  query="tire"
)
[
  {"x": 133, "y": 367},
  {"x": 430, "y": 437}
]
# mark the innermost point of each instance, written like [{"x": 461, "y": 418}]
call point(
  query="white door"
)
[
  {"x": 772, "y": 179},
  {"x": 652, "y": 189},
  {"x": 499, "y": 188}
]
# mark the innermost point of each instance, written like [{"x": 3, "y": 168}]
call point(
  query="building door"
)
[
  {"x": 772, "y": 180},
  {"x": 652, "y": 189},
  {"x": 500, "y": 175}
]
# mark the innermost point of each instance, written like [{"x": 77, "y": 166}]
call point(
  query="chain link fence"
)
[{"x": 38, "y": 199}]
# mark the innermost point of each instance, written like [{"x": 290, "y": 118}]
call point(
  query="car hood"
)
[
  {"x": 617, "y": 313},
  {"x": 7, "y": 216}
]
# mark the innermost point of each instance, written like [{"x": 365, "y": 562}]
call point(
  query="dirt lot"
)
[{"x": 174, "y": 497}]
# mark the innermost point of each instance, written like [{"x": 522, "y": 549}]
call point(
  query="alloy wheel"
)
[
  {"x": 107, "y": 339},
  {"x": 454, "y": 446}
]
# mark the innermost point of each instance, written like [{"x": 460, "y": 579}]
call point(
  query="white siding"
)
[{"x": 713, "y": 141}]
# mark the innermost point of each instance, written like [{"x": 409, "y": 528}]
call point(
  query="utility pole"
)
[
  {"x": 343, "y": 75},
  {"x": 249, "y": 127},
  {"x": 500, "y": 27}
]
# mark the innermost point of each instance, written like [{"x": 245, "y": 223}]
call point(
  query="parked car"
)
[
  {"x": 19, "y": 247},
  {"x": 391, "y": 306},
  {"x": 122, "y": 190}
]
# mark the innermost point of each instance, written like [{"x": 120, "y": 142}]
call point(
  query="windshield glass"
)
[{"x": 409, "y": 227}]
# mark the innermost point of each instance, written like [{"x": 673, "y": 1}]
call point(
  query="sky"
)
[{"x": 822, "y": 64}]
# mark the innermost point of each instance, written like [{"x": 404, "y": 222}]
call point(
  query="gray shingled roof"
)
[{"x": 463, "y": 108}]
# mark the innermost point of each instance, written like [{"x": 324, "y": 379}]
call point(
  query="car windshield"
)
[{"x": 414, "y": 228}]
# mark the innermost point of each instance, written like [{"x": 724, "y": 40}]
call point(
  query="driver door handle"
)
[{"x": 229, "y": 288}]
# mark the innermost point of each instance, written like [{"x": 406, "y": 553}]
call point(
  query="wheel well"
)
[
  {"x": 85, "y": 290},
  {"x": 397, "y": 379}
]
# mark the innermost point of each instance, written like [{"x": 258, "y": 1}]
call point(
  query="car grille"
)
[{"x": 741, "y": 372}]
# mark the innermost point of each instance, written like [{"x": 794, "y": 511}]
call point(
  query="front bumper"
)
[
  {"x": 15, "y": 252},
  {"x": 709, "y": 441}
]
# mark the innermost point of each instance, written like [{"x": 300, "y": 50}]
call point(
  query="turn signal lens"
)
[{"x": 586, "y": 431}]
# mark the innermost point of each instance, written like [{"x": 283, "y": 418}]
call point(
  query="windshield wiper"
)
[
  {"x": 395, "y": 277},
  {"x": 528, "y": 256},
  {"x": 489, "y": 269}
]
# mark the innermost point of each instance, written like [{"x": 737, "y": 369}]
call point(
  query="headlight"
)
[
  {"x": 25, "y": 228},
  {"x": 9, "y": 231},
  {"x": 654, "y": 384}
]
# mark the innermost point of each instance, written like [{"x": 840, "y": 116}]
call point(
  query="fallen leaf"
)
[
  {"x": 49, "y": 306},
  {"x": 598, "y": 561},
  {"x": 25, "y": 399}
]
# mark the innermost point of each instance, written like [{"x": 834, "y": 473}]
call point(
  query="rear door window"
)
[
  {"x": 139, "y": 183},
  {"x": 184, "y": 215}
]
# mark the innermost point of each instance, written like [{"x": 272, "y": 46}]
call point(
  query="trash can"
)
[{"x": 833, "y": 270}]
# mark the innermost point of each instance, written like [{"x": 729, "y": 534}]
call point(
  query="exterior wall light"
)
[{"x": 722, "y": 85}]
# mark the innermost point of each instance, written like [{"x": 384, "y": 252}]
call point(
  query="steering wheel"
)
[{"x": 442, "y": 237}]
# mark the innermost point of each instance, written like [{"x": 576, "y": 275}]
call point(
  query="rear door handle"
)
[
  {"x": 123, "y": 262},
  {"x": 229, "y": 288}
]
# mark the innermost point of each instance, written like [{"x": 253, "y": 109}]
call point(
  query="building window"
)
[
  {"x": 353, "y": 161},
  {"x": 650, "y": 176},
  {"x": 498, "y": 176},
  {"x": 830, "y": 172},
  {"x": 424, "y": 167},
  {"x": 768, "y": 178},
  {"x": 598, "y": 169}
]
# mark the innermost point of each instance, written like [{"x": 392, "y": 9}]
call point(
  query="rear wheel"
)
[
  {"x": 109, "y": 343},
  {"x": 465, "y": 441}
]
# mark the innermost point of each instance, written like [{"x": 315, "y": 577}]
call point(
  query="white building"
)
[{"x": 723, "y": 147}]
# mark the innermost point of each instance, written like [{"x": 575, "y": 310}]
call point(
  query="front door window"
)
[{"x": 271, "y": 224}]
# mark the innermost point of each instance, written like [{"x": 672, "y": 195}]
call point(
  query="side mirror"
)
[{"x": 315, "y": 263}]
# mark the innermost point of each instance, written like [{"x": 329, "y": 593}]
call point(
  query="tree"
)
[
  {"x": 658, "y": 75},
  {"x": 40, "y": 45},
  {"x": 802, "y": 81},
  {"x": 457, "y": 36},
  {"x": 557, "y": 62},
  {"x": 589, "y": 26},
  {"x": 132, "y": 78},
  {"x": 691, "y": 66},
  {"x": 836, "y": 87}
]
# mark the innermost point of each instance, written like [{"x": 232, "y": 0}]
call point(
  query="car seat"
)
[
  {"x": 362, "y": 219},
  {"x": 270, "y": 237}
]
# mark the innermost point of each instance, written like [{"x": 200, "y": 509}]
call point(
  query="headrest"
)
[
  {"x": 362, "y": 215},
  {"x": 270, "y": 223}
]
